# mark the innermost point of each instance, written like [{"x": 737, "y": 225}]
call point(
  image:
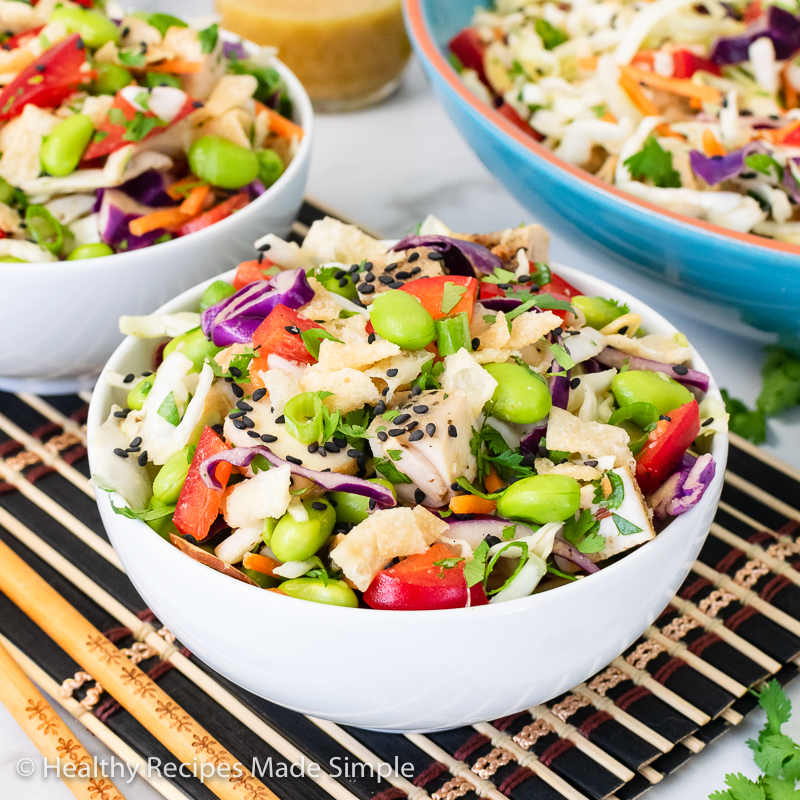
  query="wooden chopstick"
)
[
  {"x": 53, "y": 739},
  {"x": 222, "y": 774}
]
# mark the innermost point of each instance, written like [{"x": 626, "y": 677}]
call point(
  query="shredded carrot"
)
[
  {"x": 637, "y": 96},
  {"x": 608, "y": 117},
  {"x": 193, "y": 204},
  {"x": 681, "y": 86},
  {"x": 260, "y": 563},
  {"x": 644, "y": 58},
  {"x": 177, "y": 66},
  {"x": 470, "y": 504},
  {"x": 493, "y": 482},
  {"x": 163, "y": 218},
  {"x": 664, "y": 130},
  {"x": 282, "y": 126},
  {"x": 179, "y": 189},
  {"x": 789, "y": 92},
  {"x": 777, "y": 135},
  {"x": 588, "y": 63},
  {"x": 712, "y": 145}
]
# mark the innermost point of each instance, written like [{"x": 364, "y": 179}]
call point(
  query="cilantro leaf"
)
[
  {"x": 451, "y": 296},
  {"x": 551, "y": 36},
  {"x": 468, "y": 487},
  {"x": 169, "y": 410},
  {"x": 582, "y": 531},
  {"x": 313, "y": 337},
  {"x": 144, "y": 514},
  {"x": 447, "y": 563},
  {"x": 523, "y": 548},
  {"x": 488, "y": 447},
  {"x": 509, "y": 532},
  {"x": 654, "y": 163},
  {"x": 778, "y": 789},
  {"x": 614, "y": 500},
  {"x": 428, "y": 376},
  {"x": 751, "y": 425},
  {"x": 546, "y": 301},
  {"x": 624, "y": 526},
  {"x": 542, "y": 275},
  {"x": 208, "y": 38},
  {"x": 395, "y": 455},
  {"x": 390, "y": 471},
  {"x": 761, "y": 162},
  {"x": 474, "y": 570},
  {"x": 562, "y": 357}
]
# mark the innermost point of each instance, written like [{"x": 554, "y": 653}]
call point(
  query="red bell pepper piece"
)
[
  {"x": 249, "y": 272},
  {"x": 49, "y": 80},
  {"x": 198, "y": 506},
  {"x": 18, "y": 39},
  {"x": 560, "y": 288},
  {"x": 752, "y": 12},
  {"x": 219, "y": 212},
  {"x": 430, "y": 292},
  {"x": 468, "y": 48},
  {"x": 490, "y": 290},
  {"x": 665, "y": 445},
  {"x": 417, "y": 584},
  {"x": 685, "y": 64},
  {"x": 272, "y": 337},
  {"x": 117, "y": 131},
  {"x": 511, "y": 115}
]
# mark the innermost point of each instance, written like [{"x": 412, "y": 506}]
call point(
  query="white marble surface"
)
[{"x": 387, "y": 168}]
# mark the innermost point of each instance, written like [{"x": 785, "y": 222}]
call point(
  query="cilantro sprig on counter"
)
[{"x": 774, "y": 752}]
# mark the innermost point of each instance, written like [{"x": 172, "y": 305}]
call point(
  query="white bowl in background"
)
[
  {"x": 405, "y": 670},
  {"x": 59, "y": 322}
]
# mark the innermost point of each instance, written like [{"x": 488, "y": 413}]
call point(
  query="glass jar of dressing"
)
[{"x": 347, "y": 53}]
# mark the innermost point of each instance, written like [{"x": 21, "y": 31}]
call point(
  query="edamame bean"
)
[
  {"x": 597, "y": 310},
  {"x": 110, "y": 79},
  {"x": 63, "y": 147},
  {"x": 94, "y": 250},
  {"x": 354, "y": 508},
  {"x": 297, "y": 541},
  {"x": 6, "y": 191},
  {"x": 215, "y": 293},
  {"x": 400, "y": 318},
  {"x": 12, "y": 260},
  {"x": 644, "y": 386},
  {"x": 223, "y": 163},
  {"x": 168, "y": 483},
  {"x": 336, "y": 593},
  {"x": 541, "y": 499},
  {"x": 270, "y": 167},
  {"x": 195, "y": 346},
  {"x": 138, "y": 394},
  {"x": 95, "y": 28},
  {"x": 520, "y": 395}
]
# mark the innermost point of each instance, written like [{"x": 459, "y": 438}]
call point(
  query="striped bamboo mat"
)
[{"x": 734, "y": 623}]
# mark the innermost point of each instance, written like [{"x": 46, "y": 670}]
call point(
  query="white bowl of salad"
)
[
  {"x": 139, "y": 154},
  {"x": 357, "y": 444}
]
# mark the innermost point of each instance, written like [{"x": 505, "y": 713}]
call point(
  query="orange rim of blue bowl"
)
[{"x": 421, "y": 34}]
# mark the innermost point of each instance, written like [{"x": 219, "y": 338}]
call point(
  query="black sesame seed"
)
[
  {"x": 430, "y": 429},
  {"x": 217, "y": 429},
  {"x": 391, "y": 373},
  {"x": 268, "y": 438},
  {"x": 230, "y": 380},
  {"x": 416, "y": 436},
  {"x": 420, "y": 409},
  {"x": 476, "y": 343},
  {"x": 665, "y": 418},
  {"x": 371, "y": 338},
  {"x": 122, "y": 414},
  {"x": 380, "y": 408},
  {"x": 128, "y": 378},
  {"x": 235, "y": 371},
  {"x": 118, "y": 451},
  {"x": 558, "y": 331},
  {"x": 331, "y": 447},
  {"x": 142, "y": 460},
  {"x": 242, "y": 406},
  {"x": 295, "y": 461},
  {"x": 591, "y": 463},
  {"x": 126, "y": 32},
  {"x": 396, "y": 431},
  {"x": 354, "y": 268},
  {"x": 79, "y": 45},
  {"x": 385, "y": 391},
  {"x": 293, "y": 329},
  {"x": 322, "y": 452},
  {"x": 369, "y": 277},
  {"x": 680, "y": 369},
  {"x": 417, "y": 390},
  {"x": 413, "y": 257},
  {"x": 574, "y": 383},
  {"x": 411, "y": 425},
  {"x": 189, "y": 538},
  {"x": 366, "y": 288},
  {"x": 340, "y": 441},
  {"x": 132, "y": 449},
  {"x": 403, "y": 275},
  {"x": 343, "y": 282},
  {"x": 419, "y": 495},
  {"x": 317, "y": 506},
  {"x": 145, "y": 374},
  {"x": 264, "y": 247},
  {"x": 239, "y": 425},
  {"x": 237, "y": 390},
  {"x": 396, "y": 284},
  {"x": 253, "y": 434},
  {"x": 260, "y": 259},
  {"x": 372, "y": 504},
  {"x": 248, "y": 422},
  {"x": 623, "y": 330},
  {"x": 435, "y": 255},
  {"x": 280, "y": 420},
  {"x": 339, "y": 274},
  {"x": 334, "y": 504},
  {"x": 353, "y": 453},
  {"x": 523, "y": 278},
  {"x": 455, "y": 487},
  {"x": 382, "y": 435},
  {"x": 706, "y": 422},
  {"x": 401, "y": 418},
  {"x": 259, "y": 394},
  {"x": 452, "y": 431},
  {"x": 504, "y": 286},
  {"x": 236, "y": 414},
  {"x": 136, "y": 442},
  {"x": 313, "y": 447},
  {"x": 416, "y": 270},
  {"x": 528, "y": 459},
  {"x": 385, "y": 279}
]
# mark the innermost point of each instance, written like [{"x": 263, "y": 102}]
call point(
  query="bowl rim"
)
[
  {"x": 102, "y": 399},
  {"x": 428, "y": 48},
  {"x": 122, "y": 261}
]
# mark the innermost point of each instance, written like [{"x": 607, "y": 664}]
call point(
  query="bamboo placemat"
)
[{"x": 734, "y": 623}]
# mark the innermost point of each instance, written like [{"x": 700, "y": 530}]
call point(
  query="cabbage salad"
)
[
  {"x": 690, "y": 106},
  {"x": 436, "y": 423},
  {"x": 118, "y": 131}
]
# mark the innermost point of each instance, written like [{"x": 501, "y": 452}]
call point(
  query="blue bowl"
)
[{"x": 757, "y": 278}]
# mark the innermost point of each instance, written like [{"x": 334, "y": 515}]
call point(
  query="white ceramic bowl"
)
[
  {"x": 406, "y": 670},
  {"x": 59, "y": 320}
]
